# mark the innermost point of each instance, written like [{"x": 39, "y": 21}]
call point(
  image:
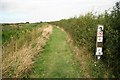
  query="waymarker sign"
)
[{"x": 99, "y": 41}]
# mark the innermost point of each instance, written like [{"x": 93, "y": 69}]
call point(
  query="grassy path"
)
[{"x": 57, "y": 59}]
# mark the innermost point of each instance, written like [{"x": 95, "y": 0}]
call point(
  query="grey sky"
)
[{"x": 49, "y": 10}]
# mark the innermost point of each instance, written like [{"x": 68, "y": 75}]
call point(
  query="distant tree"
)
[{"x": 27, "y": 22}]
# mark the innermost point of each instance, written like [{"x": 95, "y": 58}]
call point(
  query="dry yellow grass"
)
[{"x": 17, "y": 62}]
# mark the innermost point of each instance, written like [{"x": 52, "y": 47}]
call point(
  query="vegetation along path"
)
[{"x": 57, "y": 59}]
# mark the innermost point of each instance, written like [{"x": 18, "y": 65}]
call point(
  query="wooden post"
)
[{"x": 99, "y": 42}]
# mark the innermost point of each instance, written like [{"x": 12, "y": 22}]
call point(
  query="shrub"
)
[{"x": 83, "y": 31}]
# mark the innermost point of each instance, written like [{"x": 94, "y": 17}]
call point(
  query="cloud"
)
[{"x": 47, "y": 10}]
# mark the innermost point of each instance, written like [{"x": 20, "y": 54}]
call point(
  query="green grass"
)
[
  {"x": 98, "y": 71},
  {"x": 57, "y": 59},
  {"x": 16, "y": 30}
]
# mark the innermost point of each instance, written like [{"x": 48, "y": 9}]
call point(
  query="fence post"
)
[{"x": 99, "y": 42}]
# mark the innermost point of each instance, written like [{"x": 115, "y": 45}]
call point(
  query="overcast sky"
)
[{"x": 49, "y": 10}]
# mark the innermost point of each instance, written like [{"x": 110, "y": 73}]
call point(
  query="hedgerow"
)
[{"x": 83, "y": 31}]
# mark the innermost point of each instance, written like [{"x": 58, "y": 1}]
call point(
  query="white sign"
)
[
  {"x": 100, "y": 33},
  {"x": 99, "y": 49},
  {"x": 100, "y": 30},
  {"x": 99, "y": 39},
  {"x": 99, "y": 53}
]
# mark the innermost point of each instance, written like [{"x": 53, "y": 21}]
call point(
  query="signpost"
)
[{"x": 99, "y": 43}]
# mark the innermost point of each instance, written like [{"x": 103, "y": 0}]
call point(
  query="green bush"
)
[
  {"x": 16, "y": 31},
  {"x": 83, "y": 31}
]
